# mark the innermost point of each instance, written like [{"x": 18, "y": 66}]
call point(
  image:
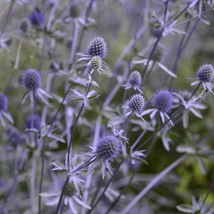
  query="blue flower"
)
[
  {"x": 205, "y": 75},
  {"x": 163, "y": 101},
  {"x": 134, "y": 81},
  {"x": 98, "y": 47},
  {"x": 37, "y": 17},
  {"x": 136, "y": 104},
  {"x": 108, "y": 147},
  {"x": 33, "y": 121},
  {"x": 32, "y": 80}
]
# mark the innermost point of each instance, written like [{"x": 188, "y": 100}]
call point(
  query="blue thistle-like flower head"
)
[
  {"x": 70, "y": 190},
  {"x": 108, "y": 147},
  {"x": 205, "y": 73},
  {"x": 32, "y": 79},
  {"x": 98, "y": 47},
  {"x": 37, "y": 17},
  {"x": 33, "y": 121},
  {"x": 135, "y": 78},
  {"x": 163, "y": 101},
  {"x": 137, "y": 103},
  {"x": 25, "y": 26},
  {"x": 3, "y": 102}
]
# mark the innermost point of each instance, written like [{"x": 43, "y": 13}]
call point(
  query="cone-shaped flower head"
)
[
  {"x": 32, "y": 79},
  {"x": 98, "y": 47},
  {"x": 70, "y": 190},
  {"x": 36, "y": 17},
  {"x": 205, "y": 73},
  {"x": 135, "y": 78},
  {"x": 3, "y": 102},
  {"x": 158, "y": 53},
  {"x": 163, "y": 101},
  {"x": 108, "y": 147},
  {"x": 33, "y": 121},
  {"x": 25, "y": 26},
  {"x": 96, "y": 62},
  {"x": 137, "y": 103}
]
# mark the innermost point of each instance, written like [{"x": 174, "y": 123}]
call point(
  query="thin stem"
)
[
  {"x": 150, "y": 56},
  {"x": 155, "y": 132},
  {"x": 88, "y": 10},
  {"x": 34, "y": 101},
  {"x": 16, "y": 66},
  {"x": 138, "y": 23},
  {"x": 61, "y": 195},
  {"x": 165, "y": 12},
  {"x": 97, "y": 190},
  {"x": 184, "y": 46},
  {"x": 194, "y": 17},
  {"x": 149, "y": 73},
  {"x": 75, "y": 125},
  {"x": 194, "y": 92},
  {"x": 106, "y": 187},
  {"x": 153, "y": 182},
  {"x": 7, "y": 18},
  {"x": 179, "y": 51},
  {"x": 88, "y": 180},
  {"x": 183, "y": 11},
  {"x": 143, "y": 133},
  {"x": 121, "y": 193},
  {"x": 60, "y": 106},
  {"x": 74, "y": 42},
  {"x": 32, "y": 184},
  {"x": 42, "y": 175},
  {"x": 111, "y": 94},
  {"x": 87, "y": 163},
  {"x": 128, "y": 47}
]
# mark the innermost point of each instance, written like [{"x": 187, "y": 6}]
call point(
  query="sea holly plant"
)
[
  {"x": 32, "y": 81},
  {"x": 118, "y": 131},
  {"x": 135, "y": 105},
  {"x": 205, "y": 75},
  {"x": 134, "y": 81},
  {"x": 162, "y": 103}
]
